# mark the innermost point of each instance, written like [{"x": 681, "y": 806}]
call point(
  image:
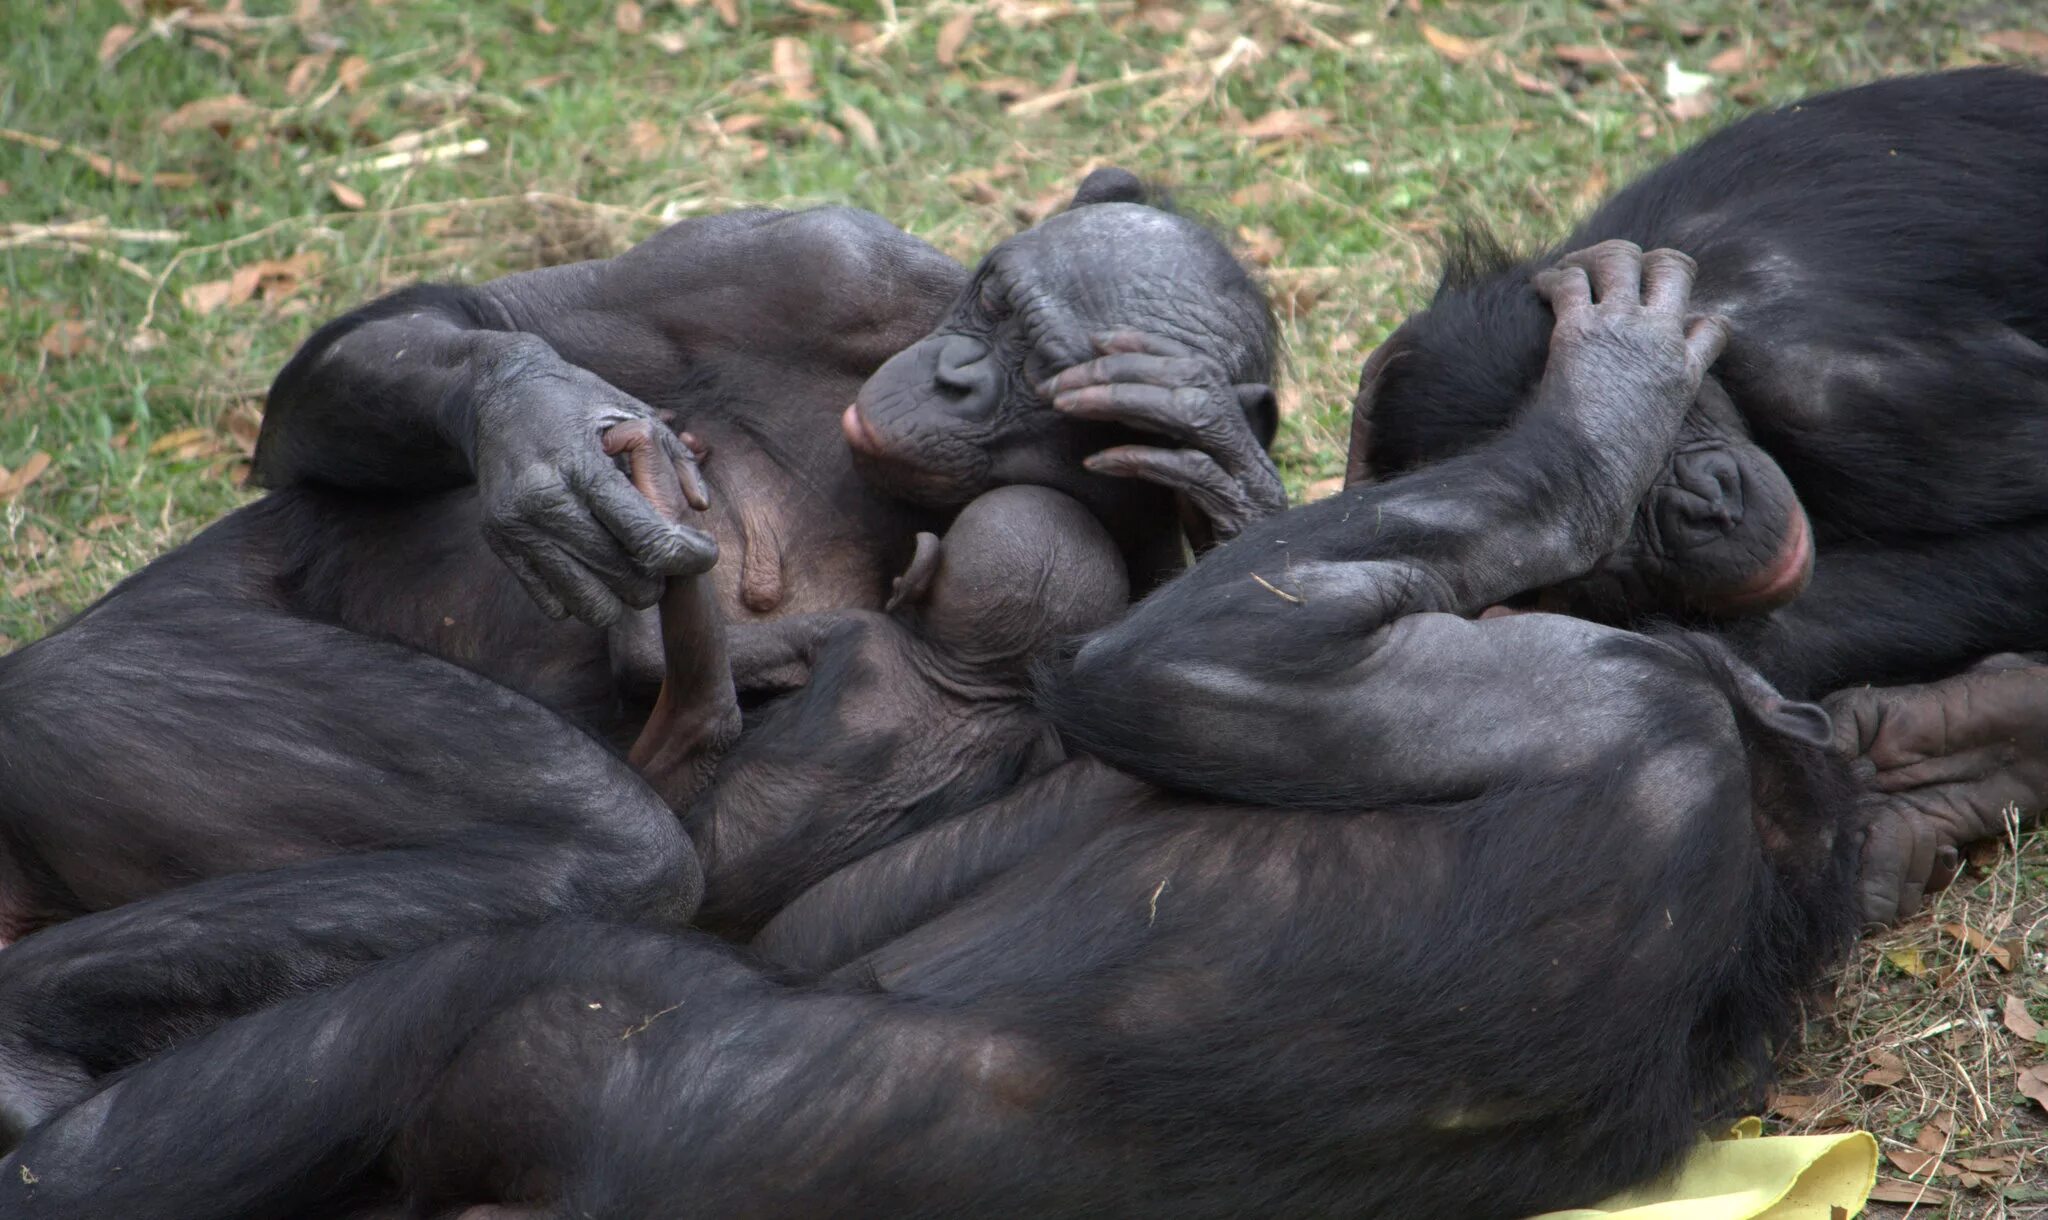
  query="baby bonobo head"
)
[
  {"x": 1022, "y": 567},
  {"x": 964, "y": 410}
]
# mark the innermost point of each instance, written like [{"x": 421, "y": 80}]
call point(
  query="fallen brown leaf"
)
[
  {"x": 346, "y": 195},
  {"x": 203, "y": 299},
  {"x": 306, "y": 72},
  {"x": 540, "y": 84},
  {"x": 2020, "y": 1021},
  {"x": 1998, "y": 1165},
  {"x": 669, "y": 42},
  {"x": 244, "y": 422},
  {"x": 2000, "y": 952},
  {"x": 728, "y": 12},
  {"x": 645, "y": 139},
  {"x": 1886, "y": 1070},
  {"x": 1284, "y": 124},
  {"x": 1936, "y": 1135},
  {"x": 2032, "y": 43},
  {"x": 114, "y": 41},
  {"x": 100, "y": 164},
  {"x": 817, "y": 8},
  {"x": 106, "y": 521},
  {"x": 790, "y": 60},
  {"x": 1260, "y": 245},
  {"x": 1450, "y": 46},
  {"x": 31, "y": 470},
  {"x": 953, "y": 36},
  {"x": 1916, "y": 1163},
  {"x": 860, "y": 127},
  {"x": 1891, "y": 1190},
  {"x": 1691, "y": 106},
  {"x": 1530, "y": 83},
  {"x": 217, "y": 112},
  {"x": 351, "y": 72},
  {"x": 1729, "y": 62},
  {"x": 1592, "y": 56},
  {"x": 66, "y": 339},
  {"x": 76, "y": 552},
  {"x": 628, "y": 18},
  {"x": 2033, "y": 1082},
  {"x": 35, "y": 584},
  {"x": 1794, "y": 1106},
  {"x": 178, "y": 439}
]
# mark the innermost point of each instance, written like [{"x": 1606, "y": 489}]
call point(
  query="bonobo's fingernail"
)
[{"x": 1049, "y": 387}]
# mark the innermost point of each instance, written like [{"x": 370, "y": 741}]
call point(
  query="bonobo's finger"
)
[
  {"x": 1667, "y": 278},
  {"x": 1616, "y": 268},
  {"x": 654, "y": 544},
  {"x": 1190, "y": 472},
  {"x": 1947, "y": 863},
  {"x": 530, "y": 580},
  {"x": 1128, "y": 367},
  {"x": 1176, "y": 414},
  {"x": 684, "y": 453},
  {"x": 1898, "y": 857},
  {"x": 652, "y": 472},
  {"x": 1566, "y": 288},
  {"x": 1109, "y": 342},
  {"x": 578, "y": 589},
  {"x": 1706, "y": 337}
]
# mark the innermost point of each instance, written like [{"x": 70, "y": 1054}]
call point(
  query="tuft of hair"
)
[{"x": 1113, "y": 184}]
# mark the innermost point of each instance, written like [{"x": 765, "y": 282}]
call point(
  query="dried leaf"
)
[
  {"x": 646, "y": 139},
  {"x": 203, "y": 299},
  {"x": 790, "y": 60},
  {"x": 974, "y": 186},
  {"x": 1998, "y": 1165},
  {"x": 35, "y": 584},
  {"x": 217, "y": 112},
  {"x": 176, "y": 440},
  {"x": 1591, "y": 56},
  {"x": 244, "y": 422},
  {"x": 144, "y": 339},
  {"x": 2033, "y": 1083},
  {"x": 1886, "y": 1070},
  {"x": 628, "y": 18},
  {"x": 31, "y": 470},
  {"x": 2000, "y": 952},
  {"x": 1322, "y": 488},
  {"x": 1936, "y": 1135},
  {"x": 66, "y": 339},
  {"x": 1891, "y": 1190},
  {"x": 346, "y": 195},
  {"x": 1907, "y": 959},
  {"x": 1450, "y": 46},
  {"x": 2020, "y": 1021},
  {"x": 953, "y": 36},
  {"x": 1530, "y": 83},
  {"x": 305, "y": 12},
  {"x": 114, "y": 41},
  {"x": 816, "y": 8},
  {"x": 669, "y": 42},
  {"x": 106, "y": 521},
  {"x": 76, "y": 553},
  {"x": 1793, "y": 1106},
  {"x": 544, "y": 27},
  {"x": 540, "y": 84},
  {"x": 351, "y": 72},
  {"x": 860, "y": 127},
  {"x": 1261, "y": 245},
  {"x": 1916, "y": 1163},
  {"x": 1730, "y": 61},
  {"x": 728, "y": 12},
  {"x": 1285, "y": 124},
  {"x": 306, "y": 73},
  {"x": 2031, "y": 43}
]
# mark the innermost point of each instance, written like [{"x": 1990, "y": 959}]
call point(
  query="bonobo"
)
[
  {"x": 1879, "y": 419},
  {"x": 342, "y": 720},
  {"x": 1450, "y": 956}
]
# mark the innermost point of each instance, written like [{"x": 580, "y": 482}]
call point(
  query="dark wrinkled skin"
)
[
  {"x": 1858, "y": 495},
  {"x": 370, "y": 710},
  {"x": 1120, "y": 999}
]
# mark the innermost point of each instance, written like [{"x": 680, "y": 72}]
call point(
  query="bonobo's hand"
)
[
  {"x": 1159, "y": 386},
  {"x": 1941, "y": 764},
  {"x": 556, "y": 507},
  {"x": 1626, "y": 358}
]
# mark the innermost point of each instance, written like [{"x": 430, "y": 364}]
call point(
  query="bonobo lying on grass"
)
[
  {"x": 346, "y": 727},
  {"x": 1501, "y": 913},
  {"x": 1880, "y": 420}
]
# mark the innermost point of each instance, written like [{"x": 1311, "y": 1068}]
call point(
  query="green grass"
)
[{"x": 617, "y": 133}]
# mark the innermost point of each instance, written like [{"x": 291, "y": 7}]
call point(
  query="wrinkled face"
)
[
  {"x": 1720, "y": 532},
  {"x": 959, "y": 412}
]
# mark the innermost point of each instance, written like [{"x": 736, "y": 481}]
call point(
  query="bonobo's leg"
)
[
  {"x": 1944, "y": 764},
  {"x": 389, "y": 799},
  {"x": 1298, "y": 663}
]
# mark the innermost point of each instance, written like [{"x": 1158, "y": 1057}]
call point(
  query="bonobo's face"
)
[
  {"x": 960, "y": 412},
  {"x": 1720, "y": 533}
]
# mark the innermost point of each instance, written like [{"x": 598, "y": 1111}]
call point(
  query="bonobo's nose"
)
[
  {"x": 964, "y": 366},
  {"x": 1709, "y": 503}
]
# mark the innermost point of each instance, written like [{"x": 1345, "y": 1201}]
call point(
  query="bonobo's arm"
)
[{"x": 1287, "y": 665}]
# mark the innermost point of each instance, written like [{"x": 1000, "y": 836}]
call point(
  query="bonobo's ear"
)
[
  {"x": 916, "y": 582},
  {"x": 1111, "y": 185},
  {"x": 1807, "y": 722},
  {"x": 1262, "y": 410},
  {"x": 1357, "y": 467}
]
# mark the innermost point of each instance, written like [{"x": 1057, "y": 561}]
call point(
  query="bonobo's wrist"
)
[{"x": 496, "y": 363}]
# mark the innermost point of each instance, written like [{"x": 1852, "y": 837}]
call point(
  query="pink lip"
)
[
  {"x": 1784, "y": 579},
  {"x": 858, "y": 434}
]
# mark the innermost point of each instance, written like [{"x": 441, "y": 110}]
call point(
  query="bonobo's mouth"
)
[
  {"x": 858, "y": 434},
  {"x": 1779, "y": 582}
]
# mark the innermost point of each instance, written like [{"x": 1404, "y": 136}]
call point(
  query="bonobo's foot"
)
[
  {"x": 35, "y": 1086},
  {"x": 1944, "y": 765},
  {"x": 1156, "y": 385}
]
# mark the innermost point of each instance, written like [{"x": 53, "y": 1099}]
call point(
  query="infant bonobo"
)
[{"x": 890, "y": 720}]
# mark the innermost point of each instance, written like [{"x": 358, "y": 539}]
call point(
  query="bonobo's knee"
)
[{"x": 628, "y": 855}]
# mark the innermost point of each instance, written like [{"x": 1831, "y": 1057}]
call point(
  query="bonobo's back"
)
[{"x": 1828, "y": 231}]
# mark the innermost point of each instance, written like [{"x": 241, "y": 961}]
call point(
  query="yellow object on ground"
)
[{"x": 1751, "y": 1176}]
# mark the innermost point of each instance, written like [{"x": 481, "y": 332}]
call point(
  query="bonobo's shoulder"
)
[{"x": 815, "y": 243}]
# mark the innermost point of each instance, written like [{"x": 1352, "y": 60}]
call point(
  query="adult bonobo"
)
[
  {"x": 1879, "y": 419},
  {"x": 1510, "y": 971},
  {"x": 343, "y": 726}
]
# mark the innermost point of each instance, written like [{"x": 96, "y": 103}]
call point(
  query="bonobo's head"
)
[
  {"x": 959, "y": 412},
  {"x": 1020, "y": 568},
  {"x": 1720, "y": 532}
]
